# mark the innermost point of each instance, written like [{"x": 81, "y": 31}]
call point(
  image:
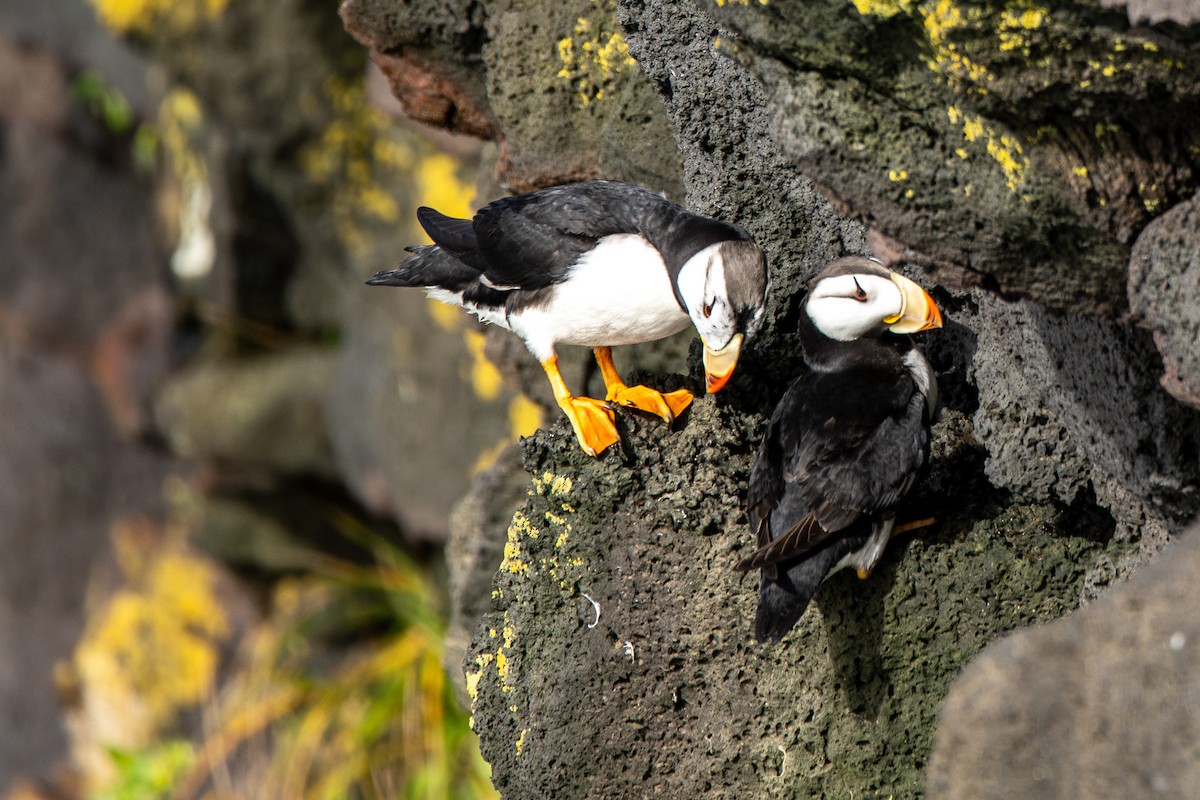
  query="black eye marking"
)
[{"x": 859, "y": 294}]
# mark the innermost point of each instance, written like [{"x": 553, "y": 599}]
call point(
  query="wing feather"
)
[
  {"x": 834, "y": 451},
  {"x": 532, "y": 240}
]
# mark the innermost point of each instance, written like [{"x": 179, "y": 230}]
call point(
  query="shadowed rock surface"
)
[
  {"x": 1103, "y": 703},
  {"x": 1164, "y": 282}
]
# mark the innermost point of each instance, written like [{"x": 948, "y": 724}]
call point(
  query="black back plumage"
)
[
  {"x": 531, "y": 241},
  {"x": 844, "y": 445}
]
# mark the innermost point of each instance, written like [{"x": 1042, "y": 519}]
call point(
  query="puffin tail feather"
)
[
  {"x": 429, "y": 266},
  {"x": 783, "y": 598},
  {"x": 779, "y": 609},
  {"x": 455, "y": 235}
]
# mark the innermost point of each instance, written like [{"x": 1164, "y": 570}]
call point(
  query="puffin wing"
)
[
  {"x": 774, "y": 501},
  {"x": 864, "y": 446},
  {"x": 838, "y": 446},
  {"x": 880, "y": 468},
  {"x": 796, "y": 541},
  {"x": 532, "y": 240},
  {"x": 455, "y": 236}
]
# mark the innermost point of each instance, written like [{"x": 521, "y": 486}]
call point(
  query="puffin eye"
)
[
  {"x": 707, "y": 310},
  {"x": 859, "y": 293}
]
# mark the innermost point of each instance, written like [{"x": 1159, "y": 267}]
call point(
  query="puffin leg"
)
[
  {"x": 903, "y": 527},
  {"x": 668, "y": 406},
  {"x": 594, "y": 423}
]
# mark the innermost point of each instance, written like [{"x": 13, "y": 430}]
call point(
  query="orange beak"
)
[
  {"x": 719, "y": 364},
  {"x": 918, "y": 312}
]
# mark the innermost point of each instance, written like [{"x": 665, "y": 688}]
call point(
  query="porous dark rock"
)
[
  {"x": 1164, "y": 282},
  {"x": 982, "y": 150},
  {"x": 478, "y": 531},
  {"x": 619, "y": 660},
  {"x": 1070, "y": 405},
  {"x": 553, "y": 84},
  {"x": 1020, "y": 148}
]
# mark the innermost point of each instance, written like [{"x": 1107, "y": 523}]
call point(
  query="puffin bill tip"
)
[
  {"x": 714, "y": 383},
  {"x": 719, "y": 364}
]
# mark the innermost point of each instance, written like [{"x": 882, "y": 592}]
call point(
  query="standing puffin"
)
[
  {"x": 846, "y": 442},
  {"x": 598, "y": 264}
]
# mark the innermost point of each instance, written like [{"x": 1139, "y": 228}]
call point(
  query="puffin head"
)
[
  {"x": 724, "y": 287},
  {"x": 855, "y": 297}
]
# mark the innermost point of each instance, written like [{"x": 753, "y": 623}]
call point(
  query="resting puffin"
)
[
  {"x": 846, "y": 442},
  {"x": 599, "y": 264}
]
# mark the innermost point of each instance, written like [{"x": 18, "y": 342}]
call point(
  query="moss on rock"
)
[
  {"x": 1013, "y": 144},
  {"x": 619, "y": 658}
]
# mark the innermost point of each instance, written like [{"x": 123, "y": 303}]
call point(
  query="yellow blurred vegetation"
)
[
  {"x": 337, "y": 691},
  {"x": 145, "y": 16},
  {"x": 379, "y": 722},
  {"x": 441, "y": 184},
  {"x": 361, "y": 161}
]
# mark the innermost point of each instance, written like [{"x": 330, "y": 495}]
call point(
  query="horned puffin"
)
[
  {"x": 599, "y": 264},
  {"x": 847, "y": 441}
]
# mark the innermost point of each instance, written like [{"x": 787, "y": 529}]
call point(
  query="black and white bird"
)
[
  {"x": 847, "y": 441},
  {"x": 599, "y": 264}
]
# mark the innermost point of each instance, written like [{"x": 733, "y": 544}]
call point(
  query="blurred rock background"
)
[
  {"x": 213, "y": 435},
  {"x": 251, "y": 508}
]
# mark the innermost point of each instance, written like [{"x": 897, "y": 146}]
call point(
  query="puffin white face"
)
[
  {"x": 711, "y": 295},
  {"x": 848, "y": 307},
  {"x": 702, "y": 286}
]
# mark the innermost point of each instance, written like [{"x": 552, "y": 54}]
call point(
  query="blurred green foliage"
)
[
  {"x": 150, "y": 773},
  {"x": 94, "y": 93}
]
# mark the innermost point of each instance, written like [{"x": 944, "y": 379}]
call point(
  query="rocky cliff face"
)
[{"x": 1013, "y": 156}]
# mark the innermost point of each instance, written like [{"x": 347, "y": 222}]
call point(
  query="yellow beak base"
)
[
  {"x": 719, "y": 364},
  {"x": 918, "y": 312}
]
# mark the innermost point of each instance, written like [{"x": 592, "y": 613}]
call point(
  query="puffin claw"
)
[
  {"x": 668, "y": 406},
  {"x": 594, "y": 423}
]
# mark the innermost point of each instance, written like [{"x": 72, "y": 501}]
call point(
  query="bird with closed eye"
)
[
  {"x": 599, "y": 264},
  {"x": 846, "y": 442}
]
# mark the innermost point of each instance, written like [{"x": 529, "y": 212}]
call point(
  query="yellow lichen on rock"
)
[
  {"x": 594, "y": 55},
  {"x": 521, "y": 740},
  {"x": 1003, "y": 148},
  {"x": 514, "y": 560},
  {"x": 939, "y": 20},
  {"x": 1017, "y": 22},
  {"x": 555, "y": 485},
  {"x": 884, "y": 8}
]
